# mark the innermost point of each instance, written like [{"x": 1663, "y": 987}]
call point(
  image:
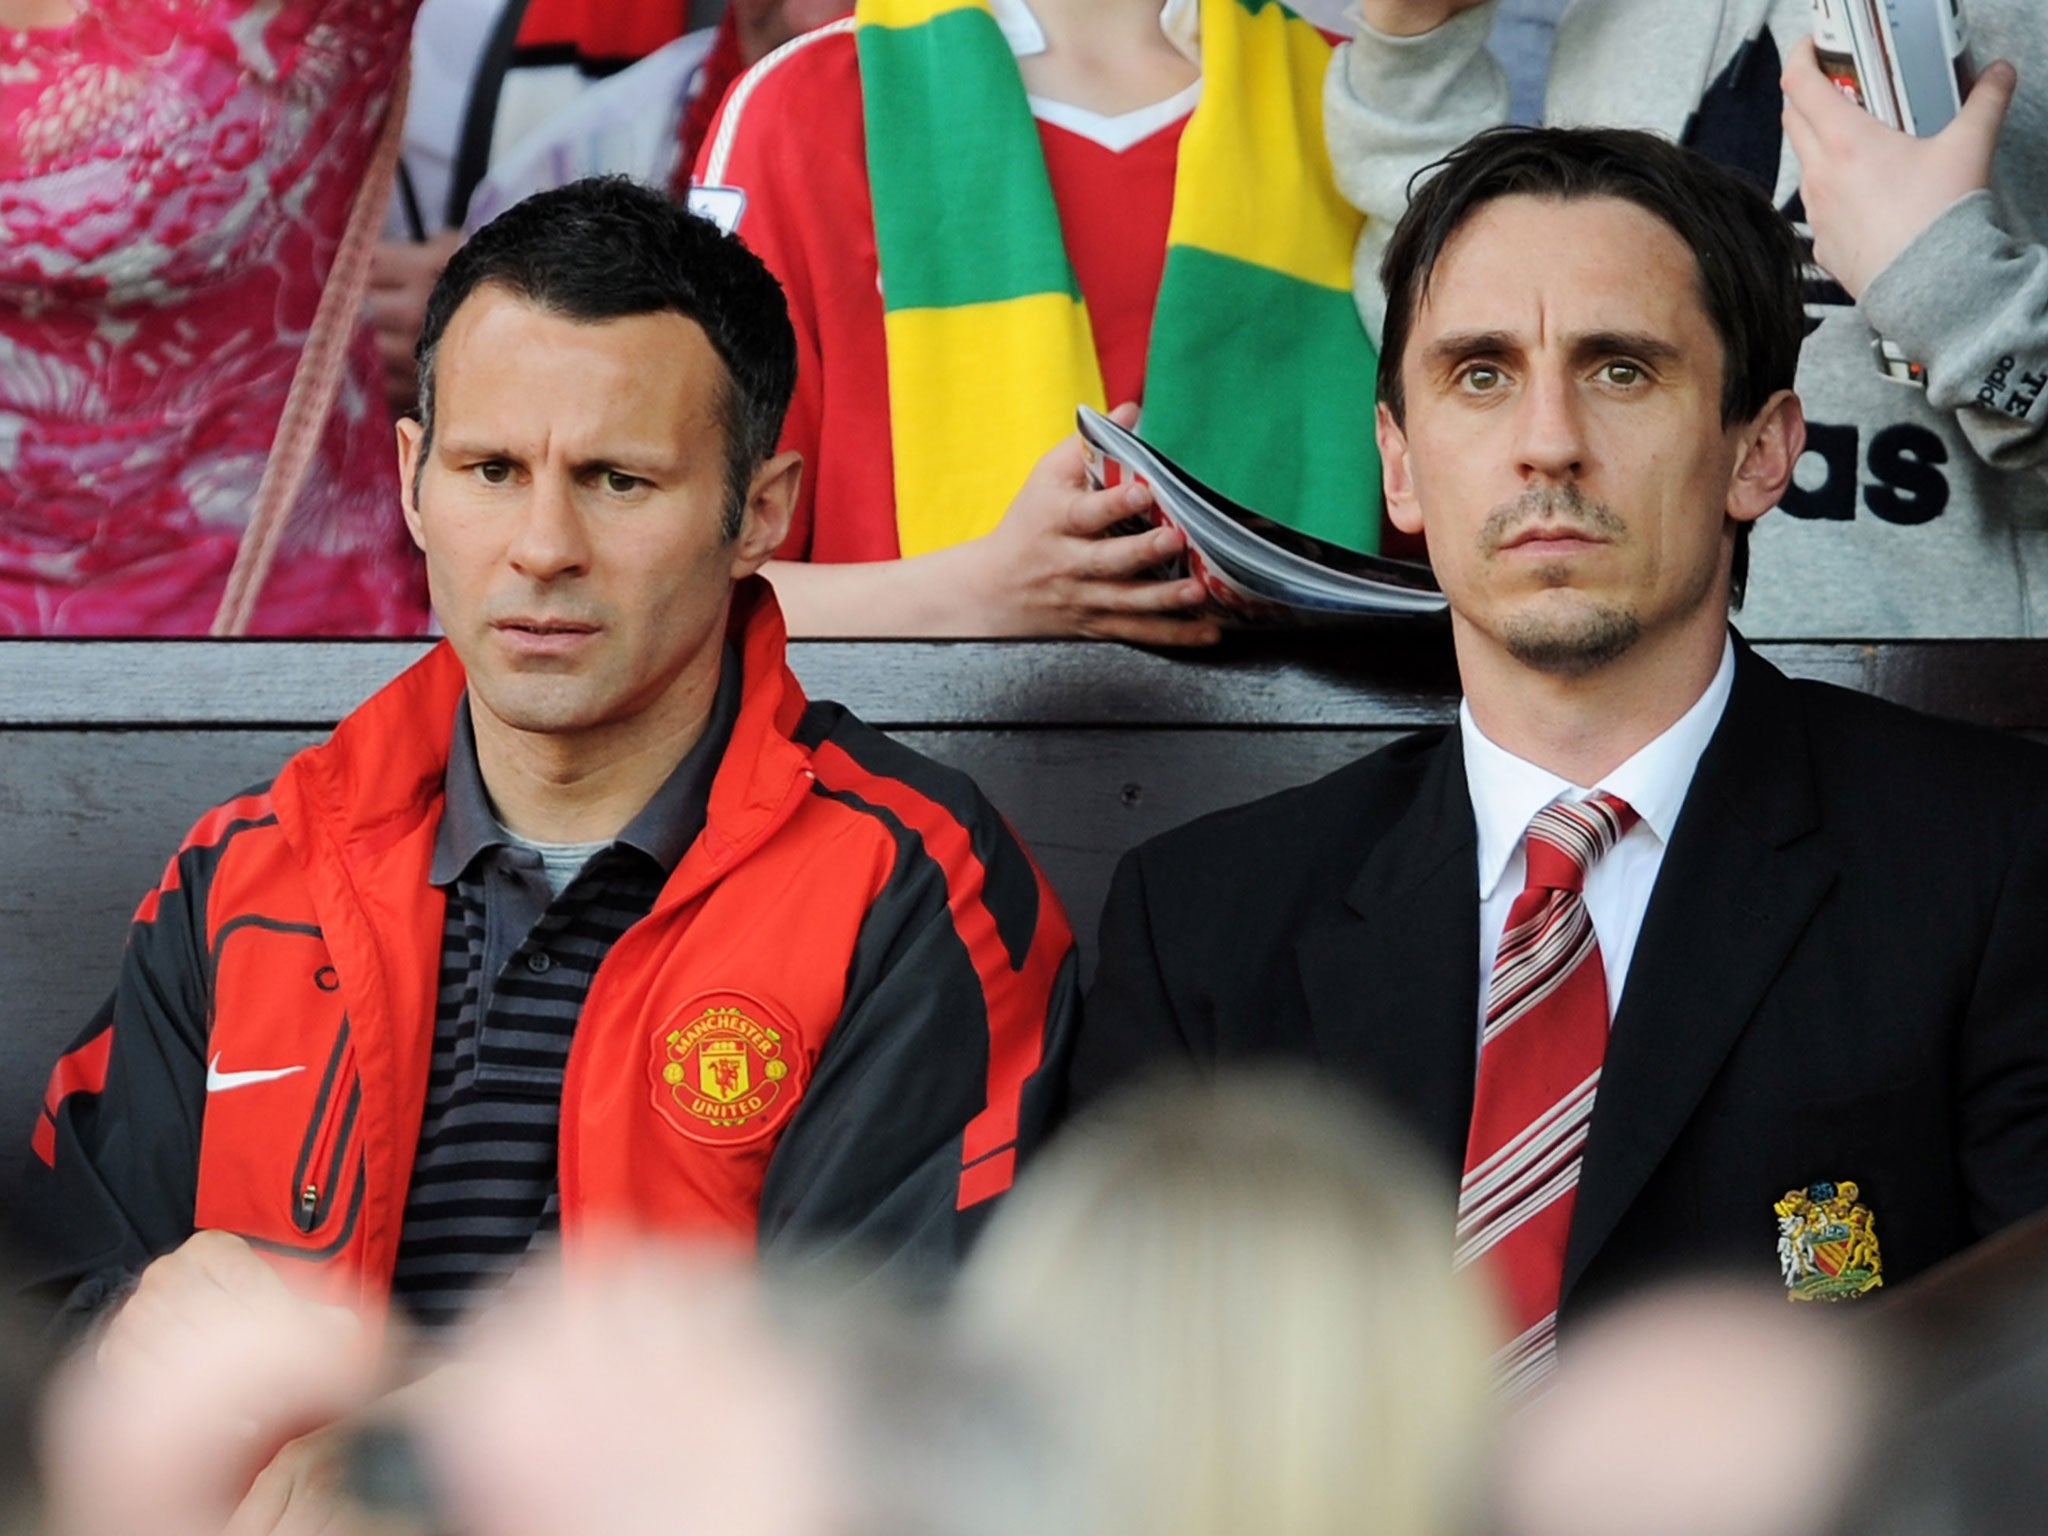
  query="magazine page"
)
[
  {"x": 1254, "y": 568},
  {"x": 1847, "y": 65},
  {"x": 1900, "y": 60},
  {"x": 1925, "y": 42}
]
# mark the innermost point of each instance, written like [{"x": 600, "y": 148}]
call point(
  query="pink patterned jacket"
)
[{"x": 174, "y": 178}]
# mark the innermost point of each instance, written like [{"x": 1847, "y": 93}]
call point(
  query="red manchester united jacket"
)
[{"x": 839, "y": 1026}]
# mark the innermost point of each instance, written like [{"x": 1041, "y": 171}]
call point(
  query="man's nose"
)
[
  {"x": 551, "y": 539},
  {"x": 1550, "y": 428}
]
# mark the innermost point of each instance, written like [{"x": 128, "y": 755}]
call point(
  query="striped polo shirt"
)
[{"x": 517, "y": 959}]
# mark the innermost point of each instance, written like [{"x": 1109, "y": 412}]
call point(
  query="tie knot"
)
[{"x": 1568, "y": 835}]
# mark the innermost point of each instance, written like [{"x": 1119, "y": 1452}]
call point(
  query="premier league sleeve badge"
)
[{"x": 1827, "y": 1243}]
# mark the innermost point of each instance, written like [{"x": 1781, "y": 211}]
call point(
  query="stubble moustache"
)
[{"x": 1569, "y": 641}]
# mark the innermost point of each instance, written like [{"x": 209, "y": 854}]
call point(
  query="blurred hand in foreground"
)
[
  {"x": 203, "y": 1405},
  {"x": 653, "y": 1393}
]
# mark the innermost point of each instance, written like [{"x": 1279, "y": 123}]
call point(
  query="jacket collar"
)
[
  {"x": 765, "y": 768},
  {"x": 379, "y": 778},
  {"x": 662, "y": 830},
  {"x": 1390, "y": 973}
]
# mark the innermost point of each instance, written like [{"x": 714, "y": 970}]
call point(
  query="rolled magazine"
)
[
  {"x": 1255, "y": 571},
  {"x": 1902, "y": 61}
]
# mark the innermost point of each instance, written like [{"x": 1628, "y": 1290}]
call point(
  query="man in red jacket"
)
[{"x": 589, "y": 921}]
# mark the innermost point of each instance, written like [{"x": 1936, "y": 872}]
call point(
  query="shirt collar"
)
[
  {"x": 1180, "y": 20},
  {"x": 468, "y": 824},
  {"x": 663, "y": 830},
  {"x": 1507, "y": 791}
]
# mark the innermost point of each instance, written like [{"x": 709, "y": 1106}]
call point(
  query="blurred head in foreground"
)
[
  {"x": 1704, "y": 1411},
  {"x": 1236, "y": 1299},
  {"x": 668, "y": 1389}
]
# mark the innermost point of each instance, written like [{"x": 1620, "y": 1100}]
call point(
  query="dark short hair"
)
[
  {"x": 605, "y": 248},
  {"x": 1747, "y": 257}
]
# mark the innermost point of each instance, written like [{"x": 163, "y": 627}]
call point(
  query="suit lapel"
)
[
  {"x": 1391, "y": 973},
  {"x": 1741, "y": 878}
]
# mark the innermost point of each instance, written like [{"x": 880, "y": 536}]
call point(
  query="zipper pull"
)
[{"x": 309, "y": 1207}]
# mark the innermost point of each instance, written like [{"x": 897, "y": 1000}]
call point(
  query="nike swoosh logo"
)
[{"x": 218, "y": 1081}]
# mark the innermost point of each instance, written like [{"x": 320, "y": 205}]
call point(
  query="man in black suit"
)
[{"x": 1822, "y": 927}]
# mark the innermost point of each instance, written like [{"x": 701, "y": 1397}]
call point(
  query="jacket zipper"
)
[{"x": 321, "y": 1169}]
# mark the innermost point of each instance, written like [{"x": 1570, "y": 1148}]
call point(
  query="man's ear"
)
[
  {"x": 771, "y": 504},
  {"x": 410, "y": 447},
  {"x": 1403, "y": 510},
  {"x": 1766, "y": 456}
]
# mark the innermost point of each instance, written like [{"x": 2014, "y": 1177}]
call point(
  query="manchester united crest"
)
[
  {"x": 1827, "y": 1243},
  {"x": 725, "y": 1068}
]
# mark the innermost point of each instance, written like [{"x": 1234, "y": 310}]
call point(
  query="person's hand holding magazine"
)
[
  {"x": 1869, "y": 189},
  {"x": 1250, "y": 569},
  {"x": 1052, "y": 566}
]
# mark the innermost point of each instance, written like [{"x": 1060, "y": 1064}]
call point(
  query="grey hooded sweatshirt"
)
[{"x": 1915, "y": 512}]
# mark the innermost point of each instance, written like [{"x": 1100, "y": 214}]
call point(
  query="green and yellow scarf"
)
[{"x": 1260, "y": 377}]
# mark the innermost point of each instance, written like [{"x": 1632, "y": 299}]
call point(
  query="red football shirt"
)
[{"x": 790, "y": 136}]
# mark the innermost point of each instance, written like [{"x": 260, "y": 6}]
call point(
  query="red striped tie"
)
[{"x": 1539, "y": 1064}]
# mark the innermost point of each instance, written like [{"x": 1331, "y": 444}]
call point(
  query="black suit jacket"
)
[{"x": 1842, "y": 975}]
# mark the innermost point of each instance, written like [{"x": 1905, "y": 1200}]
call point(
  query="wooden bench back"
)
[{"x": 112, "y": 748}]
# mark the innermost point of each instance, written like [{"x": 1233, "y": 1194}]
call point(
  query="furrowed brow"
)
[
  {"x": 462, "y": 448},
  {"x": 647, "y": 464},
  {"x": 1646, "y": 348},
  {"x": 1459, "y": 346}
]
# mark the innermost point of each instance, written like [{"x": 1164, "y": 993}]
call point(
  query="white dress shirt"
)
[{"x": 1508, "y": 791}]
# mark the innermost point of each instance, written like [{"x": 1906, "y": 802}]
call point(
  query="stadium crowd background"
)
[{"x": 180, "y": 180}]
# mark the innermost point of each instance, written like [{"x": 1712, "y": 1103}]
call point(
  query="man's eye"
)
[
  {"x": 1625, "y": 374},
  {"x": 494, "y": 472},
  {"x": 1480, "y": 378},
  {"x": 621, "y": 484}
]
